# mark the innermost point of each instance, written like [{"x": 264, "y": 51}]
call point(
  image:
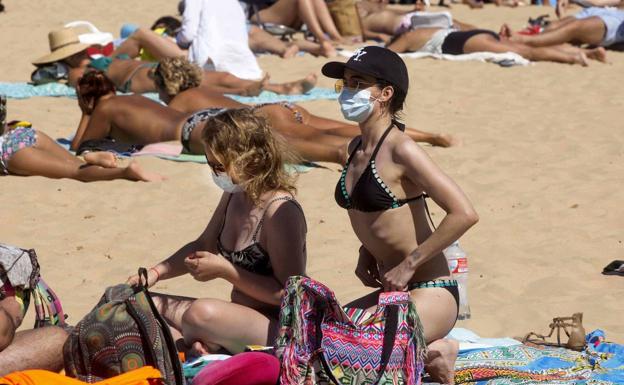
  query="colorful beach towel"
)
[
  {"x": 26, "y": 90},
  {"x": 523, "y": 365}
]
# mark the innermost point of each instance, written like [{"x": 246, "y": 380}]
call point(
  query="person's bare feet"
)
[
  {"x": 327, "y": 49},
  {"x": 599, "y": 54},
  {"x": 505, "y": 32},
  {"x": 291, "y": 51},
  {"x": 581, "y": 58},
  {"x": 440, "y": 362},
  {"x": 256, "y": 87},
  {"x": 101, "y": 158},
  {"x": 135, "y": 172},
  {"x": 300, "y": 86}
]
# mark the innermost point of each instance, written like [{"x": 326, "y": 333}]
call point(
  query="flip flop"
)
[{"x": 614, "y": 268}]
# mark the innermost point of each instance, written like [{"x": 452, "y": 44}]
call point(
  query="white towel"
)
[
  {"x": 504, "y": 59},
  {"x": 218, "y": 39}
]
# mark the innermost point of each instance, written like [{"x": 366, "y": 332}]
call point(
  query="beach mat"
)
[
  {"x": 507, "y": 59},
  {"x": 26, "y": 90},
  {"x": 173, "y": 152},
  {"x": 521, "y": 364}
]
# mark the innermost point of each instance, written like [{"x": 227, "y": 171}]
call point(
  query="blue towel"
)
[{"x": 25, "y": 91}]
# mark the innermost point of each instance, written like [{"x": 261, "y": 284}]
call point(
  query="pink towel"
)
[{"x": 251, "y": 368}]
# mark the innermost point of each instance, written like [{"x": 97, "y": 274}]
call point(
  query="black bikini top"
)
[
  {"x": 369, "y": 192},
  {"x": 252, "y": 258}
]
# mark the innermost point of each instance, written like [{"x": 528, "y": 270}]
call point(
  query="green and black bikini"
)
[{"x": 371, "y": 194}]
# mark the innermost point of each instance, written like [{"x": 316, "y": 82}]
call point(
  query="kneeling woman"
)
[
  {"x": 383, "y": 187},
  {"x": 255, "y": 239}
]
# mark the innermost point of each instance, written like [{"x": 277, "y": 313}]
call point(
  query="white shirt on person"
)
[{"x": 217, "y": 37}]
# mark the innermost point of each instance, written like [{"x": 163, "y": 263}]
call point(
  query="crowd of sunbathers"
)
[{"x": 256, "y": 237}]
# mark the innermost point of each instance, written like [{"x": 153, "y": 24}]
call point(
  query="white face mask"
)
[
  {"x": 224, "y": 182},
  {"x": 356, "y": 105}
]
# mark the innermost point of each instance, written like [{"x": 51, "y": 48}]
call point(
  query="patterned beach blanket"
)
[
  {"x": 26, "y": 90},
  {"x": 523, "y": 365}
]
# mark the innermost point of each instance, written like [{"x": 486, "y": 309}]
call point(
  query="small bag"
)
[
  {"x": 320, "y": 344},
  {"x": 123, "y": 332},
  {"x": 346, "y": 17}
]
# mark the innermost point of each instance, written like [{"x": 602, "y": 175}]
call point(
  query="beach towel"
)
[
  {"x": 25, "y": 90},
  {"x": 515, "y": 365},
  {"x": 469, "y": 340},
  {"x": 506, "y": 59}
]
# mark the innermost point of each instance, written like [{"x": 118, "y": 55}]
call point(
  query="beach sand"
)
[{"x": 542, "y": 160}]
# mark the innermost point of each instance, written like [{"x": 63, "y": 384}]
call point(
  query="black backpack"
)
[{"x": 123, "y": 332}]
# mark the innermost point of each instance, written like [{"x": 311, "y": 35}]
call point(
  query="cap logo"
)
[{"x": 358, "y": 54}]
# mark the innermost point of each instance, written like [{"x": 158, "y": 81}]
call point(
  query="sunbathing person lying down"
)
[
  {"x": 139, "y": 120},
  {"x": 132, "y": 75},
  {"x": 28, "y": 152},
  {"x": 452, "y": 41},
  {"x": 178, "y": 81}
]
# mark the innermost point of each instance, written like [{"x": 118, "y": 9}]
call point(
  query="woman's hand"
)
[
  {"x": 206, "y": 266},
  {"x": 152, "y": 278},
  {"x": 367, "y": 270},
  {"x": 399, "y": 276}
]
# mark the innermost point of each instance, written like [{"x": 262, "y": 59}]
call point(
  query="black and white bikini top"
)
[
  {"x": 252, "y": 258},
  {"x": 369, "y": 192}
]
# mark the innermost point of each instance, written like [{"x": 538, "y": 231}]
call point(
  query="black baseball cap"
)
[{"x": 375, "y": 61}]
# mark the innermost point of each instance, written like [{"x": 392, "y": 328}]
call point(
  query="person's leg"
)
[
  {"x": 216, "y": 323},
  {"x": 160, "y": 47},
  {"x": 34, "y": 349},
  {"x": 45, "y": 159},
  {"x": 296, "y": 87},
  {"x": 11, "y": 317},
  {"x": 586, "y": 31},
  {"x": 487, "y": 43},
  {"x": 325, "y": 19},
  {"x": 262, "y": 41}
]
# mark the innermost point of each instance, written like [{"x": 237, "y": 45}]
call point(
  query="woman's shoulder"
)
[{"x": 283, "y": 207}]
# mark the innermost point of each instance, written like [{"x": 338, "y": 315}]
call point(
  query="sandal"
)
[
  {"x": 614, "y": 268},
  {"x": 573, "y": 328}
]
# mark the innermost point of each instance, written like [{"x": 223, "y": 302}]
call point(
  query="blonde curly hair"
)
[
  {"x": 177, "y": 74},
  {"x": 245, "y": 144}
]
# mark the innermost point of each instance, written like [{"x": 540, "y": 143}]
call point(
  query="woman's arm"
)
[
  {"x": 190, "y": 23},
  {"x": 82, "y": 127},
  {"x": 460, "y": 215},
  {"x": 285, "y": 231}
]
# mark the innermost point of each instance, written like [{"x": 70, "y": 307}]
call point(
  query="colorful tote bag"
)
[{"x": 320, "y": 343}]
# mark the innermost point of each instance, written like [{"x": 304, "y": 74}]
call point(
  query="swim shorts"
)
[{"x": 613, "y": 20}]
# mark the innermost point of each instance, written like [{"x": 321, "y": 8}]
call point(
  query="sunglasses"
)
[
  {"x": 351, "y": 83},
  {"x": 215, "y": 167}
]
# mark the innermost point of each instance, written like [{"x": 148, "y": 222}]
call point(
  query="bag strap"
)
[
  {"x": 390, "y": 331},
  {"x": 171, "y": 349}
]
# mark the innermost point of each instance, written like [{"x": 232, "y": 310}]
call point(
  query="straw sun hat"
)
[{"x": 63, "y": 44}]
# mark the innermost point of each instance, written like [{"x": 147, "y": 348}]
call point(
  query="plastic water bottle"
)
[{"x": 458, "y": 265}]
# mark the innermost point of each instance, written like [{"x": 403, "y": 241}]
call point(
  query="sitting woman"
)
[
  {"x": 255, "y": 239},
  {"x": 133, "y": 75},
  {"x": 452, "y": 41},
  {"x": 178, "y": 85},
  {"x": 383, "y": 188},
  {"x": 28, "y": 152}
]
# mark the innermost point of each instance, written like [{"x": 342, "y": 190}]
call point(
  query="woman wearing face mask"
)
[
  {"x": 255, "y": 239},
  {"x": 383, "y": 187}
]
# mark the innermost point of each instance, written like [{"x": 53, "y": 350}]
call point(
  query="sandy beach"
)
[{"x": 542, "y": 159}]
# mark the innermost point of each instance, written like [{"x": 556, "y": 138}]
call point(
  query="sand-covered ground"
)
[{"x": 542, "y": 160}]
